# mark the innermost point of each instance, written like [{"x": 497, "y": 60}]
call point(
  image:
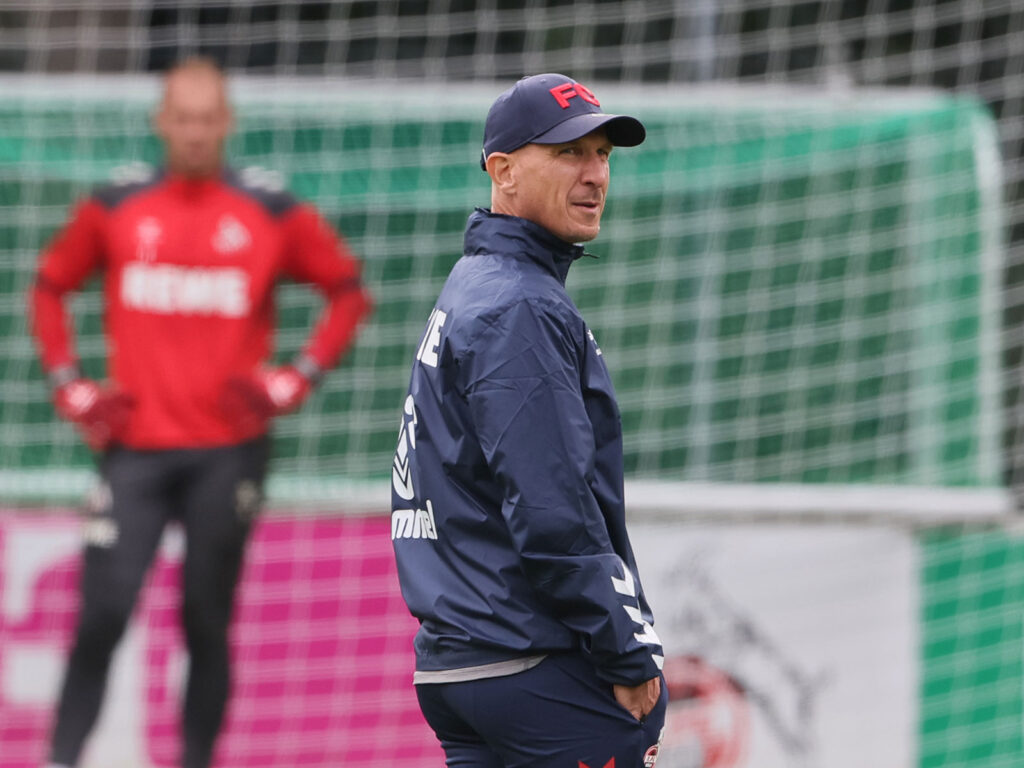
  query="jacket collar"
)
[{"x": 488, "y": 232}]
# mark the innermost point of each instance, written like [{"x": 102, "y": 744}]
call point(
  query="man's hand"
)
[
  {"x": 100, "y": 413},
  {"x": 638, "y": 699},
  {"x": 266, "y": 393}
]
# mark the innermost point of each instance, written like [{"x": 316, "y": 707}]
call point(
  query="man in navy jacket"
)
[{"x": 536, "y": 646}]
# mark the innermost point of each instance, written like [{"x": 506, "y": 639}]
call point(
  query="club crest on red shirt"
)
[{"x": 231, "y": 235}]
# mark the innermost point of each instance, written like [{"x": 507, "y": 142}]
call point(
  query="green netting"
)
[
  {"x": 972, "y": 638},
  {"x": 785, "y": 292}
]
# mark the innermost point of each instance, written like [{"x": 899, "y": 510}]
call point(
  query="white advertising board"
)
[{"x": 786, "y": 646}]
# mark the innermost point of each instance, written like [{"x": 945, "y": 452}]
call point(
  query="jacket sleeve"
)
[
  {"x": 522, "y": 385},
  {"x": 73, "y": 254},
  {"x": 315, "y": 254}
]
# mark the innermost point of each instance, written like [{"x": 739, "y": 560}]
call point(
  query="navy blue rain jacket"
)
[{"x": 508, "y": 521}]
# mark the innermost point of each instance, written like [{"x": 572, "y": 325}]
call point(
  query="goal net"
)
[
  {"x": 790, "y": 287},
  {"x": 807, "y": 293}
]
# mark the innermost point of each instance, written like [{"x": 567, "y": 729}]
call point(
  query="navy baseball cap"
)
[{"x": 552, "y": 109}]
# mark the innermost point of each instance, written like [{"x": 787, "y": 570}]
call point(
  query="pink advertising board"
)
[{"x": 321, "y": 645}]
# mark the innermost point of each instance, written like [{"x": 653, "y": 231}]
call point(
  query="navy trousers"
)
[{"x": 559, "y": 714}]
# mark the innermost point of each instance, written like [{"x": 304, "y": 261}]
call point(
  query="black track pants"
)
[{"x": 214, "y": 494}]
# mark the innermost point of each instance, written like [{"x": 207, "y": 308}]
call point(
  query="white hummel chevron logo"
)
[
  {"x": 625, "y": 586},
  {"x": 148, "y": 234},
  {"x": 646, "y": 633},
  {"x": 401, "y": 473}
]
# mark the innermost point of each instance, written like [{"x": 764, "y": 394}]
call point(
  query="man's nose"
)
[{"x": 595, "y": 170}]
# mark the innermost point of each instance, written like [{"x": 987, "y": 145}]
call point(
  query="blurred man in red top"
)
[{"x": 190, "y": 256}]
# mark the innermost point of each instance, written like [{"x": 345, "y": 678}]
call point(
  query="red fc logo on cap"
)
[{"x": 566, "y": 91}]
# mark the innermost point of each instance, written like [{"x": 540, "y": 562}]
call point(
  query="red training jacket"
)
[{"x": 189, "y": 268}]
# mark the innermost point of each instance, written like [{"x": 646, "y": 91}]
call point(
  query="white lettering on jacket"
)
[
  {"x": 168, "y": 289},
  {"x": 414, "y": 523},
  {"x": 427, "y": 352}
]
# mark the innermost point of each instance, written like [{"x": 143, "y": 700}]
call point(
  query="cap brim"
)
[{"x": 622, "y": 130}]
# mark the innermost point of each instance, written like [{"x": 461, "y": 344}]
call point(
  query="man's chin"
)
[
  {"x": 584, "y": 234},
  {"x": 198, "y": 171},
  {"x": 585, "y": 228}
]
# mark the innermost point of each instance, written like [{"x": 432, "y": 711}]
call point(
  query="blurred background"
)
[{"x": 808, "y": 292}]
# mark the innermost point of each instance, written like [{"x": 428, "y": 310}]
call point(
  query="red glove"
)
[
  {"x": 100, "y": 413},
  {"x": 264, "y": 394}
]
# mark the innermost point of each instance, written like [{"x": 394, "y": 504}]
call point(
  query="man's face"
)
[
  {"x": 563, "y": 187},
  {"x": 194, "y": 121}
]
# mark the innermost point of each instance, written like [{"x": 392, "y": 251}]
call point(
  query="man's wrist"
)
[
  {"x": 62, "y": 375},
  {"x": 308, "y": 368}
]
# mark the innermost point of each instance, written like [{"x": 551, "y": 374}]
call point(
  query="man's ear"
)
[
  {"x": 501, "y": 168},
  {"x": 229, "y": 119},
  {"x": 158, "y": 119}
]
